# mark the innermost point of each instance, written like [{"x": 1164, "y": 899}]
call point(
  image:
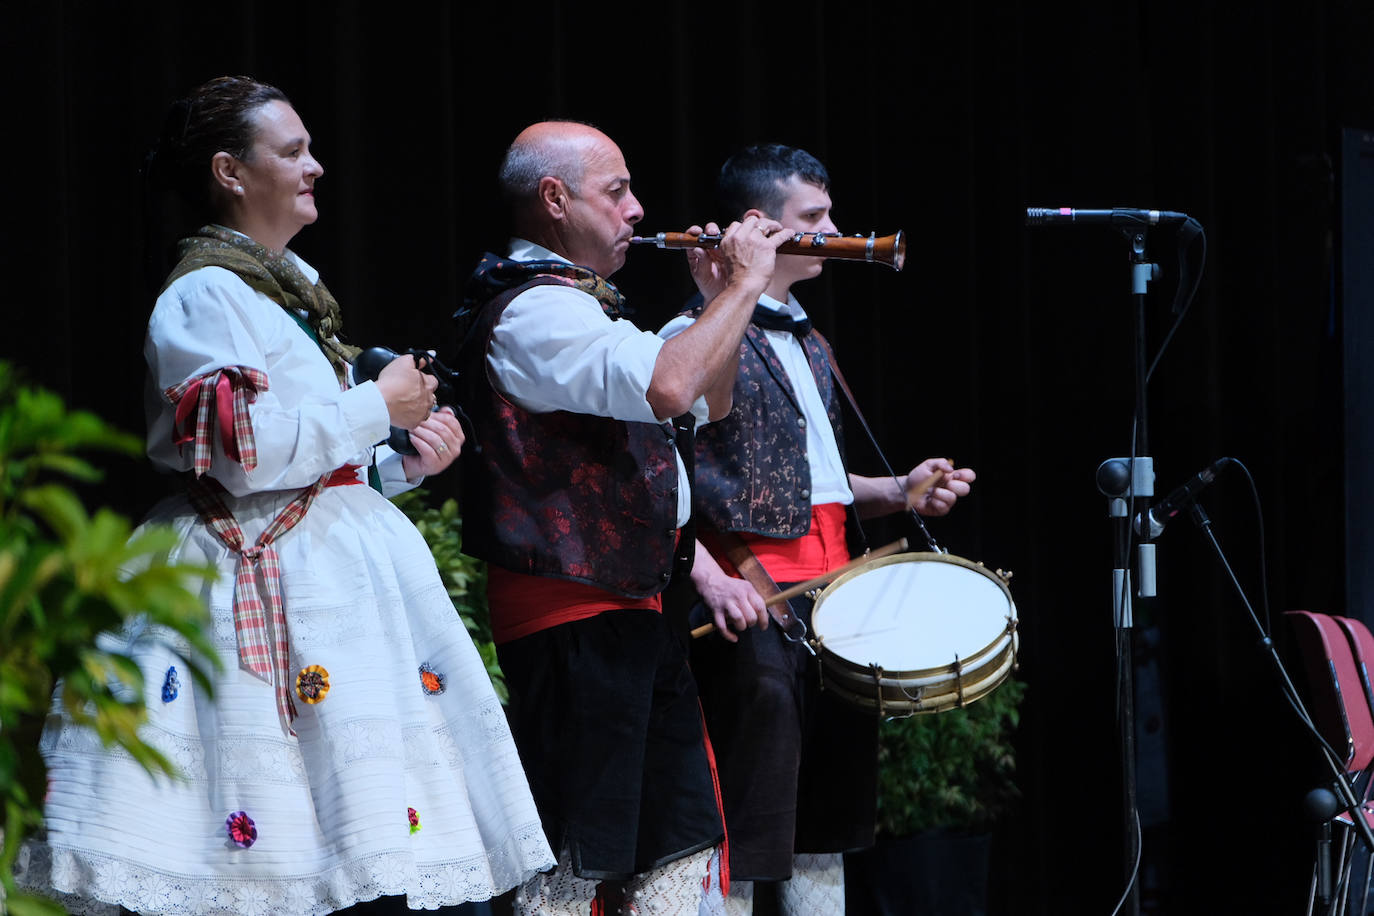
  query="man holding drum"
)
[
  {"x": 575, "y": 497},
  {"x": 797, "y": 765}
]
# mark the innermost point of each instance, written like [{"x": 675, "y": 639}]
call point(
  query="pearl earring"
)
[{"x": 238, "y": 189}]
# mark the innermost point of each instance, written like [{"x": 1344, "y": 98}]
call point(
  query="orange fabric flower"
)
[
  {"x": 312, "y": 684},
  {"x": 430, "y": 680}
]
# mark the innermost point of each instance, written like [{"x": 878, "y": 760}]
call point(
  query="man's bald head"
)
[
  {"x": 555, "y": 149},
  {"x": 568, "y": 189}
]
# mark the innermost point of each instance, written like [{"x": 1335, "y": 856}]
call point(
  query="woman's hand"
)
[
  {"x": 408, "y": 392},
  {"x": 438, "y": 439}
]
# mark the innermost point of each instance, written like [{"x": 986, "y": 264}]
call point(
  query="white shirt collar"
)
[
  {"x": 792, "y": 308},
  {"x": 524, "y": 250}
]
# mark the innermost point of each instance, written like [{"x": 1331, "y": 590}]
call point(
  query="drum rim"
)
[
  {"x": 971, "y": 665},
  {"x": 918, "y": 556},
  {"x": 941, "y": 701},
  {"x": 911, "y": 676}
]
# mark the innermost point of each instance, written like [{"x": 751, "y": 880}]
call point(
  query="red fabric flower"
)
[{"x": 241, "y": 829}]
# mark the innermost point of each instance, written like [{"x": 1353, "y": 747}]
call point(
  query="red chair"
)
[
  {"x": 1339, "y": 705},
  {"x": 1362, "y": 648},
  {"x": 1338, "y": 654}
]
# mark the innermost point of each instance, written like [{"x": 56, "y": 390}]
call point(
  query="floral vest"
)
[
  {"x": 752, "y": 472},
  {"x": 562, "y": 494}
]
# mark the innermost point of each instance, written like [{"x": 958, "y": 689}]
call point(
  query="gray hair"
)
[{"x": 528, "y": 161}]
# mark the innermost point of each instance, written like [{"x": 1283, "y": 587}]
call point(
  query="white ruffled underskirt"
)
[{"x": 364, "y": 602}]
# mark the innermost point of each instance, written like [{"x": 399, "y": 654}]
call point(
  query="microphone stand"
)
[
  {"x": 1121, "y": 509},
  {"x": 1122, "y": 480}
]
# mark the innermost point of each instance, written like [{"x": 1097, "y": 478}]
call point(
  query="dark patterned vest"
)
[
  {"x": 752, "y": 473},
  {"x": 562, "y": 494}
]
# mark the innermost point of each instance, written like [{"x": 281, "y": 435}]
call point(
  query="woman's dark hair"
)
[
  {"x": 217, "y": 116},
  {"x": 754, "y": 178}
]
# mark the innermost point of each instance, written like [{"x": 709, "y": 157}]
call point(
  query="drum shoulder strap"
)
[{"x": 732, "y": 547}]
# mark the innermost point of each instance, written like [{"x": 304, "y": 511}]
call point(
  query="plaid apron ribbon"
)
[
  {"x": 219, "y": 401},
  {"x": 223, "y": 395},
  {"x": 259, "y": 614}
]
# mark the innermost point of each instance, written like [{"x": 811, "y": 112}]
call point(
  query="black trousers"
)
[
  {"x": 606, "y": 717},
  {"x": 798, "y": 765}
]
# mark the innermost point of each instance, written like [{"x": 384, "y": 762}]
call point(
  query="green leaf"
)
[
  {"x": 66, "y": 576},
  {"x": 21, "y": 904},
  {"x": 950, "y": 769},
  {"x": 69, "y": 466},
  {"x": 57, "y": 506}
]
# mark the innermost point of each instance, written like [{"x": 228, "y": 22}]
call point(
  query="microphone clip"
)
[{"x": 1150, "y": 523}]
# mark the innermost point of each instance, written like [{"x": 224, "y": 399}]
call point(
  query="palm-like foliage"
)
[{"x": 66, "y": 576}]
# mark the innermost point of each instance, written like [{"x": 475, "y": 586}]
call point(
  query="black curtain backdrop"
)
[{"x": 1005, "y": 348}]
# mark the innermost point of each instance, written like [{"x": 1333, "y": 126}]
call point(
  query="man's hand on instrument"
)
[
  {"x": 934, "y": 485},
  {"x": 749, "y": 249},
  {"x": 735, "y": 605},
  {"x": 438, "y": 439},
  {"x": 707, "y": 264},
  {"x": 745, "y": 255}
]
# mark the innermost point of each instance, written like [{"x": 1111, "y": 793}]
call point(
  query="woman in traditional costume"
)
[{"x": 354, "y": 747}]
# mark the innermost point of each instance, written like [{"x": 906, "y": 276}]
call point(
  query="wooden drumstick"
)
[
  {"x": 802, "y": 588},
  {"x": 913, "y": 495}
]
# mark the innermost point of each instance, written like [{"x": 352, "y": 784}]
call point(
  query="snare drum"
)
[{"x": 915, "y": 633}]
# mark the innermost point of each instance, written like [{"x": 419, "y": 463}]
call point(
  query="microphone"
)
[
  {"x": 1119, "y": 216},
  {"x": 1157, "y": 516}
]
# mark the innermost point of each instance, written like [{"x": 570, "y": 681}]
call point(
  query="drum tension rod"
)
[
  {"x": 877, "y": 670},
  {"x": 958, "y": 667}
]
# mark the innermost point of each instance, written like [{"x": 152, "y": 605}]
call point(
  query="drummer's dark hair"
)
[{"x": 756, "y": 176}]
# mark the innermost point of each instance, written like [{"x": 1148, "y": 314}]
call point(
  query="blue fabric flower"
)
[{"x": 171, "y": 685}]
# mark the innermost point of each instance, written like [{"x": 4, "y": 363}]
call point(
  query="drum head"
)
[{"x": 915, "y": 612}]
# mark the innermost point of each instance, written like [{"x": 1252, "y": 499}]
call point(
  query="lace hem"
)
[{"x": 92, "y": 883}]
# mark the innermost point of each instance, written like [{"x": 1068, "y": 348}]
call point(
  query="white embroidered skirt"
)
[{"x": 403, "y": 778}]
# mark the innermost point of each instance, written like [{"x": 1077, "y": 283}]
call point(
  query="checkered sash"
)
[
  {"x": 224, "y": 395},
  {"x": 257, "y": 586}
]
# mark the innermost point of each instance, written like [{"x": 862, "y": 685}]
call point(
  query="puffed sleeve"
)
[
  {"x": 302, "y": 424},
  {"x": 553, "y": 348}
]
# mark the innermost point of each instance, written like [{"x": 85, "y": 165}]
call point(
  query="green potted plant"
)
[
  {"x": 67, "y": 575},
  {"x": 944, "y": 779}
]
